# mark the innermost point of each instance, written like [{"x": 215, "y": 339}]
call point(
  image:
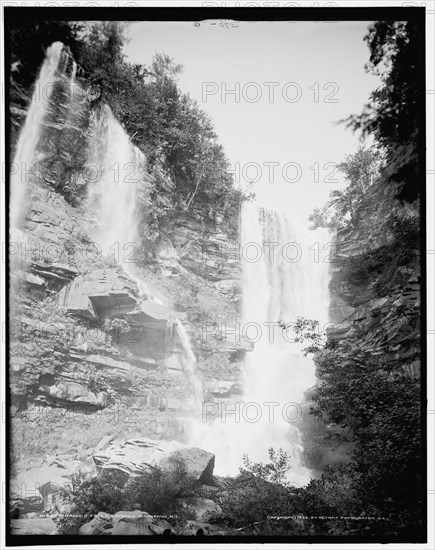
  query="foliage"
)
[
  {"x": 155, "y": 492},
  {"x": 44, "y": 337},
  {"x": 327, "y": 217},
  {"x": 188, "y": 166},
  {"x": 306, "y": 329},
  {"x": 260, "y": 493},
  {"x": 331, "y": 495},
  {"x": 325, "y": 443},
  {"x": 274, "y": 471},
  {"x": 380, "y": 408},
  {"x": 395, "y": 113},
  {"x": 359, "y": 170},
  {"x": 116, "y": 327}
]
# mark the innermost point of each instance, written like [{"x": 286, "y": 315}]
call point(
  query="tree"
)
[
  {"x": 188, "y": 166},
  {"x": 395, "y": 113},
  {"x": 360, "y": 169},
  {"x": 325, "y": 217},
  {"x": 259, "y": 494}
]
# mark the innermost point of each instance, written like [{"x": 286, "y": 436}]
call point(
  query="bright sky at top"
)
[{"x": 293, "y": 81}]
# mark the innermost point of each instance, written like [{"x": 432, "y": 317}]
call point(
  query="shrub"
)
[
  {"x": 260, "y": 494},
  {"x": 155, "y": 492}
]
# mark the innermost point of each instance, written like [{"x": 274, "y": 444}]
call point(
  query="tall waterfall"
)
[
  {"x": 116, "y": 189},
  {"x": 281, "y": 281},
  {"x": 24, "y": 159},
  {"x": 117, "y": 169}
]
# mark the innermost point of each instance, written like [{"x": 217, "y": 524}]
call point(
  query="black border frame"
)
[{"x": 15, "y": 14}]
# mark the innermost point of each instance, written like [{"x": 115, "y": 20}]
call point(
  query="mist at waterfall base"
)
[{"x": 278, "y": 286}]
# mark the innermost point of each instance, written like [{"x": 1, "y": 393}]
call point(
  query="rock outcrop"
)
[
  {"x": 187, "y": 244},
  {"x": 137, "y": 456},
  {"x": 380, "y": 319}
]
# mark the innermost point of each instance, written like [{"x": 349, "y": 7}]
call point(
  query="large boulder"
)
[
  {"x": 138, "y": 456},
  {"x": 107, "y": 293},
  {"x": 102, "y": 290}
]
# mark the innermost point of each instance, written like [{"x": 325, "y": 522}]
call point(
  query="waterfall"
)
[
  {"x": 113, "y": 189},
  {"x": 114, "y": 195},
  {"x": 24, "y": 159},
  {"x": 281, "y": 281},
  {"x": 72, "y": 80},
  {"x": 188, "y": 361}
]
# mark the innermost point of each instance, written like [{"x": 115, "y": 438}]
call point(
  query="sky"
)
[{"x": 291, "y": 83}]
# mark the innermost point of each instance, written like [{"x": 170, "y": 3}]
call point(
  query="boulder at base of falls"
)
[{"x": 137, "y": 456}]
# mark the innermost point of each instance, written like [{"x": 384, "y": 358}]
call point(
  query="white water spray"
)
[
  {"x": 113, "y": 197},
  {"x": 113, "y": 189},
  {"x": 72, "y": 80},
  {"x": 281, "y": 281},
  {"x": 189, "y": 367},
  {"x": 24, "y": 159}
]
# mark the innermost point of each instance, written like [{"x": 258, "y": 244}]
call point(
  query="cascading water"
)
[
  {"x": 72, "y": 80},
  {"x": 189, "y": 367},
  {"x": 281, "y": 281},
  {"x": 113, "y": 199},
  {"x": 30, "y": 134},
  {"x": 113, "y": 189}
]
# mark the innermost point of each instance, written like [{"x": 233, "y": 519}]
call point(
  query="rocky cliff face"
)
[{"x": 375, "y": 280}]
